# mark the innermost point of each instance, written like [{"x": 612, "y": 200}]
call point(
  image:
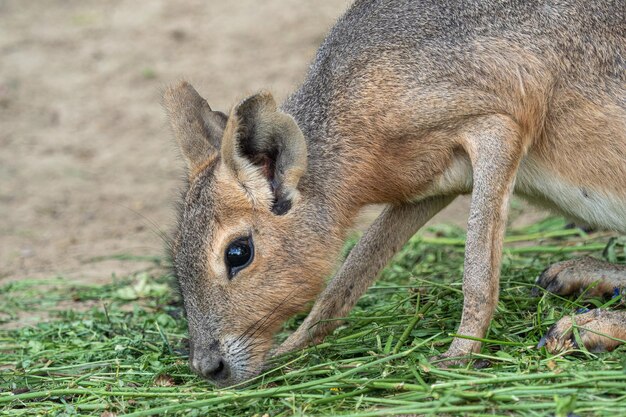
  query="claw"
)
[{"x": 555, "y": 342}]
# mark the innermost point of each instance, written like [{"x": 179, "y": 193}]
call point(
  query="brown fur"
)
[
  {"x": 407, "y": 104},
  {"x": 599, "y": 331},
  {"x": 588, "y": 275},
  {"x": 232, "y": 196},
  {"x": 593, "y": 278}
]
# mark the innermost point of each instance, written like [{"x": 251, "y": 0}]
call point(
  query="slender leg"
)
[
  {"x": 381, "y": 241},
  {"x": 495, "y": 149}
]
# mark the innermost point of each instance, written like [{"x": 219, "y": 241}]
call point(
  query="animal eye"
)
[{"x": 239, "y": 254}]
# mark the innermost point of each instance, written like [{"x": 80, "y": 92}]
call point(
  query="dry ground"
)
[{"x": 87, "y": 165}]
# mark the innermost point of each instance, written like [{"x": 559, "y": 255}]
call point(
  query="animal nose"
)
[{"x": 211, "y": 367}]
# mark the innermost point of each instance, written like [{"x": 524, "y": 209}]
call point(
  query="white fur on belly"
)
[
  {"x": 540, "y": 186},
  {"x": 593, "y": 206}
]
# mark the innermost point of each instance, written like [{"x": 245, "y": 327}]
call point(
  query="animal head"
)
[{"x": 248, "y": 252}]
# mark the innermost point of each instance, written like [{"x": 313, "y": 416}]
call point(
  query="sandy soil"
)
[{"x": 87, "y": 164}]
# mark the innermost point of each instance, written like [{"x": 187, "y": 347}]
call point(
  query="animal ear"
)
[
  {"x": 198, "y": 129},
  {"x": 261, "y": 139}
]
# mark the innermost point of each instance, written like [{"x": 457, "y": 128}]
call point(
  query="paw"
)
[
  {"x": 591, "y": 328},
  {"x": 458, "y": 354},
  {"x": 448, "y": 360},
  {"x": 575, "y": 275}
]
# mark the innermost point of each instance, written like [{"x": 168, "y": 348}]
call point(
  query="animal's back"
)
[
  {"x": 556, "y": 67},
  {"x": 499, "y": 51},
  {"x": 572, "y": 30}
]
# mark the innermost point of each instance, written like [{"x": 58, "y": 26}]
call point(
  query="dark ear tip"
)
[
  {"x": 255, "y": 102},
  {"x": 281, "y": 207}
]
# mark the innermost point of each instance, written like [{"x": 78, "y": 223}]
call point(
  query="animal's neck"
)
[
  {"x": 328, "y": 200},
  {"x": 344, "y": 172}
]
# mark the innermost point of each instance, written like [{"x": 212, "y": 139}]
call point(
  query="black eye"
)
[{"x": 238, "y": 255}]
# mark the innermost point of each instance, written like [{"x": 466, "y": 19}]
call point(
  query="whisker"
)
[
  {"x": 267, "y": 316},
  {"x": 249, "y": 342},
  {"x": 154, "y": 227}
]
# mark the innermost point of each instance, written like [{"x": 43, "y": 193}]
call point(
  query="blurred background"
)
[{"x": 88, "y": 168}]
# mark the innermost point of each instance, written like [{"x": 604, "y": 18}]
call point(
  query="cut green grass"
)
[{"x": 127, "y": 355}]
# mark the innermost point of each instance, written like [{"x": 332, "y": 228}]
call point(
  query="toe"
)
[
  {"x": 549, "y": 279},
  {"x": 594, "y": 327}
]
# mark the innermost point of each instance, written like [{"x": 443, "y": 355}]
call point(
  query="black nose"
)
[{"x": 211, "y": 366}]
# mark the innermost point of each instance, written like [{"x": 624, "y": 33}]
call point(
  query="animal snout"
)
[{"x": 211, "y": 366}]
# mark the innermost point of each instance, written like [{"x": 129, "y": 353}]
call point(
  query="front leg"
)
[
  {"x": 380, "y": 242},
  {"x": 495, "y": 148}
]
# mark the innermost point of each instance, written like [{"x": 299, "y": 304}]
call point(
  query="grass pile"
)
[{"x": 126, "y": 355}]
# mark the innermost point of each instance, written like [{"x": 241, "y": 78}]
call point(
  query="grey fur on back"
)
[{"x": 445, "y": 32}]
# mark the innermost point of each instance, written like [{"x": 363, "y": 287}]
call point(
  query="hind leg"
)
[
  {"x": 599, "y": 330},
  {"x": 593, "y": 329},
  {"x": 588, "y": 274}
]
